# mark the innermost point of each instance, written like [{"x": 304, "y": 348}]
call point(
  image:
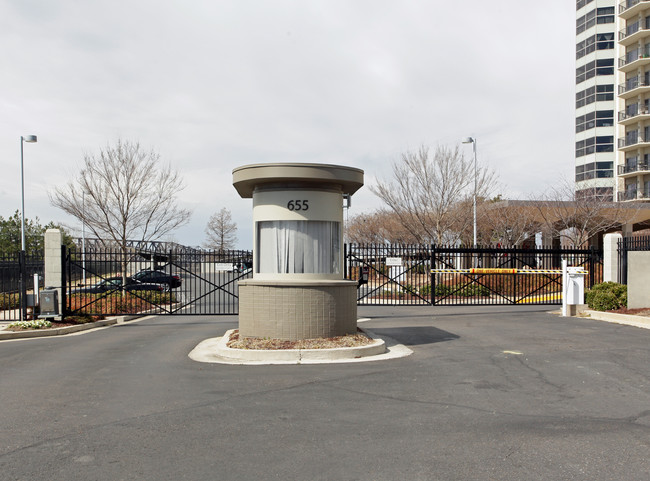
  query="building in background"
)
[
  {"x": 634, "y": 104},
  {"x": 596, "y": 101}
]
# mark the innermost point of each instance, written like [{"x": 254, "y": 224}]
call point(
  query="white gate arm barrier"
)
[{"x": 487, "y": 270}]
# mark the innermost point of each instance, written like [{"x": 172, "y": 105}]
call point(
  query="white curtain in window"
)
[{"x": 298, "y": 247}]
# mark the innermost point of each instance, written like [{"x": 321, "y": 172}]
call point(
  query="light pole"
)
[
  {"x": 83, "y": 235},
  {"x": 30, "y": 139},
  {"x": 23, "y": 270},
  {"x": 472, "y": 140}
]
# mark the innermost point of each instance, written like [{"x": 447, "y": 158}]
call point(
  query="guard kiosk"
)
[{"x": 297, "y": 290}]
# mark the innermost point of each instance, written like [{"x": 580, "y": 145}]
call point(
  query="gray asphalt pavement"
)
[{"x": 490, "y": 393}]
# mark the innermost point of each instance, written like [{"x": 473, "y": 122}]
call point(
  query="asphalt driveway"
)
[{"x": 502, "y": 393}]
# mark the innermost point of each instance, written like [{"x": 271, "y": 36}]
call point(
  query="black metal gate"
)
[
  {"x": 394, "y": 274},
  {"x": 14, "y": 268},
  {"x": 497, "y": 276},
  {"x": 435, "y": 275},
  {"x": 153, "y": 279}
]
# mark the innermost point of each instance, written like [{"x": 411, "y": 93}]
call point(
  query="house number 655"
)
[{"x": 298, "y": 205}]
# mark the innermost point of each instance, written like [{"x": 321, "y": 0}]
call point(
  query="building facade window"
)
[
  {"x": 631, "y": 163},
  {"x": 600, "y": 118},
  {"x": 603, "y": 66},
  {"x": 600, "y": 193},
  {"x": 298, "y": 247},
  {"x": 594, "y": 170},
  {"x": 600, "y": 41},
  {"x": 631, "y": 137},
  {"x": 591, "y": 145},
  {"x": 599, "y": 93},
  {"x": 582, "y": 3},
  {"x": 599, "y": 15}
]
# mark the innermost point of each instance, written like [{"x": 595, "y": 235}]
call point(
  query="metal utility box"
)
[
  {"x": 32, "y": 300},
  {"x": 49, "y": 303}
]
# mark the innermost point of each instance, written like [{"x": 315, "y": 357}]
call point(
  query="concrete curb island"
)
[
  {"x": 625, "y": 319},
  {"x": 61, "y": 331},
  {"x": 215, "y": 350}
]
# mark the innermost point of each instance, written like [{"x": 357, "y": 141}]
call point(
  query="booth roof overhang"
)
[{"x": 248, "y": 177}]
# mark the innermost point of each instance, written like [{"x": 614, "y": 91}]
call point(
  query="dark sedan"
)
[
  {"x": 158, "y": 277},
  {"x": 115, "y": 284}
]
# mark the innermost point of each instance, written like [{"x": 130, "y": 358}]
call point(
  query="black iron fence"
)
[
  {"x": 161, "y": 279},
  {"x": 494, "y": 276},
  {"x": 434, "y": 275},
  {"x": 103, "y": 280},
  {"x": 625, "y": 245},
  {"x": 13, "y": 268},
  {"x": 390, "y": 274}
]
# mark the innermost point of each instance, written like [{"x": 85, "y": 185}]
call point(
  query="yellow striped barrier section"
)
[{"x": 487, "y": 270}]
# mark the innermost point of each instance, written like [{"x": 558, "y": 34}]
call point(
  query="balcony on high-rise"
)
[
  {"x": 634, "y": 59},
  {"x": 631, "y": 8}
]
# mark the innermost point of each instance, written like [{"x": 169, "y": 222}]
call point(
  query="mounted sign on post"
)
[
  {"x": 393, "y": 261},
  {"x": 297, "y": 290},
  {"x": 396, "y": 269}
]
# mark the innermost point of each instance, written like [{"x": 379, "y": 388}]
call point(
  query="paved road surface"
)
[{"x": 501, "y": 393}]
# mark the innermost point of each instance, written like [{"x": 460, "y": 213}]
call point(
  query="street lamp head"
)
[
  {"x": 29, "y": 138},
  {"x": 469, "y": 140}
]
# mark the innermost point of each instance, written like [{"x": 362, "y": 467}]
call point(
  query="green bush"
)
[
  {"x": 409, "y": 289},
  {"x": 607, "y": 296},
  {"x": 473, "y": 290},
  {"x": 156, "y": 297},
  {"x": 443, "y": 290}
]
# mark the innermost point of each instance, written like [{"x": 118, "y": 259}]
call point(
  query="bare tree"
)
[
  {"x": 426, "y": 191},
  {"x": 507, "y": 223},
  {"x": 221, "y": 231},
  {"x": 576, "y": 220},
  {"x": 378, "y": 227},
  {"x": 124, "y": 194}
]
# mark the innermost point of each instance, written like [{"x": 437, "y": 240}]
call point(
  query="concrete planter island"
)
[{"x": 297, "y": 290}]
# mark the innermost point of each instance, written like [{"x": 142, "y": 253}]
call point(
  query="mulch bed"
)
[{"x": 350, "y": 340}]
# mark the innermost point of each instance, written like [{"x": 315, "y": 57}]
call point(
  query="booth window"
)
[{"x": 298, "y": 247}]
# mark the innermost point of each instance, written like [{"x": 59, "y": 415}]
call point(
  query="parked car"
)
[
  {"x": 243, "y": 266},
  {"x": 158, "y": 277},
  {"x": 115, "y": 284}
]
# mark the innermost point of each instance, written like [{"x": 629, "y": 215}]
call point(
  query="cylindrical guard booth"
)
[{"x": 297, "y": 290}]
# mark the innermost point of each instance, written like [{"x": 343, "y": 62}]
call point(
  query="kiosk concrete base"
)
[{"x": 293, "y": 310}]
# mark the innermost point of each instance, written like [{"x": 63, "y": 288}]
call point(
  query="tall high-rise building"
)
[
  {"x": 596, "y": 100},
  {"x": 634, "y": 105}
]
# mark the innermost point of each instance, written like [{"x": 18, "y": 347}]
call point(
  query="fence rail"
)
[
  {"x": 395, "y": 275},
  {"x": 625, "y": 245},
  {"x": 110, "y": 281},
  {"x": 435, "y": 275},
  {"x": 12, "y": 269}
]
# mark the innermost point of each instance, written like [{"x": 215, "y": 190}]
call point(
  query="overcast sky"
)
[{"x": 212, "y": 85}]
